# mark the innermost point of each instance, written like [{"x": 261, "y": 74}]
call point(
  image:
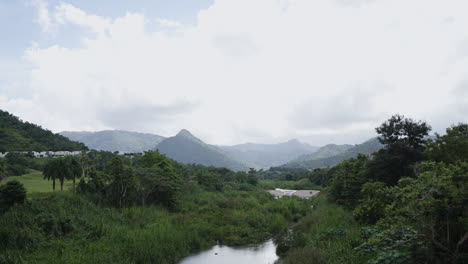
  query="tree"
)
[
  {"x": 401, "y": 130},
  {"x": 50, "y": 172},
  {"x": 75, "y": 169},
  {"x": 404, "y": 143},
  {"x": 122, "y": 191},
  {"x": 58, "y": 169},
  {"x": 451, "y": 147},
  {"x": 11, "y": 193},
  {"x": 252, "y": 176},
  {"x": 347, "y": 180},
  {"x": 63, "y": 168},
  {"x": 435, "y": 205},
  {"x": 375, "y": 197}
]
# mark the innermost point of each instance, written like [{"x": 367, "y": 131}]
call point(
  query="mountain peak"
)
[
  {"x": 293, "y": 141},
  {"x": 185, "y": 133}
]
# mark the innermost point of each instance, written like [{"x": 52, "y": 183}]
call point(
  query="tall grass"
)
[
  {"x": 65, "y": 228},
  {"x": 328, "y": 234}
]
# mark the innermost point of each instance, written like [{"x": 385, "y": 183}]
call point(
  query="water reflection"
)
[{"x": 262, "y": 254}]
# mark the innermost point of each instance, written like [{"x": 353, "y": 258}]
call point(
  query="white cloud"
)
[
  {"x": 43, "y": 18},
  {"x": 247, "y": 68},
  {"x": 168, "y": 23}
]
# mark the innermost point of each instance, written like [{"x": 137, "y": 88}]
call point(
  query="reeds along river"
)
[{"x": 260, "y": 254}]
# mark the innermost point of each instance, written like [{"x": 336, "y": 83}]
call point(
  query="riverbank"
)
[
  {"x": 328, "y": 234},
  {"x": 66, "y": 228}
]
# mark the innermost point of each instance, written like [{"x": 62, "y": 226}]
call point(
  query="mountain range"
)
[
  {"x": 316, "y": 160},
  {"x": 269, "y": 155},
  {"x": 116, "y": 140},
  {"x": 186, "y": 148}
]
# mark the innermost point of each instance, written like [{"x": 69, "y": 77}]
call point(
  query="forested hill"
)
[
  {"x": 186, "y": 148},
  {"x": 116, "y": 140},
  {"x": 368, "y": 147},
  {"x": 16, "y": 135}
]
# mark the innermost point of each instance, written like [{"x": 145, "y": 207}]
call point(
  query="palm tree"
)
[
  {"x": 50, "y": 173},
  {"x": 76, "y": 170}
]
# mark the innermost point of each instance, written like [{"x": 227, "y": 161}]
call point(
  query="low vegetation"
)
[{"x": 406, "y": 203}]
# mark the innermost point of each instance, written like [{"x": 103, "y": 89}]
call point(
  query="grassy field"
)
[{"x": 35, "y": 184}]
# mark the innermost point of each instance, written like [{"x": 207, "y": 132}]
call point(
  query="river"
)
[{"x": 260, "y": 254}]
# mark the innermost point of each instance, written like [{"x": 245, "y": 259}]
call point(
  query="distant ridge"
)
[
  {"x": 186, "y": 148},
  {"x": 326, "y": 151},
  {"x": 269, "y": 155},
  {"x": 116, "y": 140},
  {"x": 17, "y": 135},
  {"x": 368, "y": 147}
]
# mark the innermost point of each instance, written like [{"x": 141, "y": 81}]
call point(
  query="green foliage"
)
[
  {"x": 252, "y": 176},
  {"x": 405, "y": 131},
  {"x": 347, "y": 180},
  {"x": 404, "y": 141},
  {"x": 451, "y": 147},
  {"x": 16, "y": 135},
  {"x": 66, "y": 228},
  {"x": 398, "y": 243},
  {"x": 375, "y": 198},
  {"x": 123, "y": 189},
  {"x": 11, "y": 193},
  {"x": 329, "y": 234},
  {"x": 62, "y": 169}
]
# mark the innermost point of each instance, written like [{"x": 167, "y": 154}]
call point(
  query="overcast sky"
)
[{"x": 234, "y": 71}]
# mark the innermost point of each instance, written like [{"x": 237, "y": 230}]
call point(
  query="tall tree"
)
[
  {"x": 50, "y": 173},
  {"x": 401, "y": 130},
  {"x": 75, "y": 169},
  {"x": 123, "y": 188},
  {"x": 404, "y": 142}
]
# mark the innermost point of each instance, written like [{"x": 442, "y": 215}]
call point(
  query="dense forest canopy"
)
[{"x": 17, "y": 135}]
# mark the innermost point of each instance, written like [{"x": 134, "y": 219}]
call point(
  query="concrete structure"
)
[
  {"x": 278, "y": 193},
  {"x": 48, "y": 154}
]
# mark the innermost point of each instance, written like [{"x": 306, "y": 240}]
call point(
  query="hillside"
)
[
  {"x": 368, "y": 147},
  {"x": 17, "y": 135},
  {"x": 326, "y": 151},
  {"x": 269, "y": 155},
  {"x": 186, "y": 148},
  {"x": 116, "y": 140}
]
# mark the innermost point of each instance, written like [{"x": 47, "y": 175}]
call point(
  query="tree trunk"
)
[
  {"x": 53, "y": 185},
  {"x": 61, "y": 185},
  {"x": 74, "y": 191}
]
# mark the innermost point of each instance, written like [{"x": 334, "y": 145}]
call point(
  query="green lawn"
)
[{"x": 34, "y": 182}]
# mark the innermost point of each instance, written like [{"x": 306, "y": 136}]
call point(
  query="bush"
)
[{"x": 11, "y": 193}]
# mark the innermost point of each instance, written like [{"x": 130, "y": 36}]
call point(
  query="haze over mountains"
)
[
  {"x": 183, "y": 147},
  {"x": 116, "y": 140},
  {"x": 268, "y": 155},
  {"x": 331, "y": 155},
  {"x": 187, "y": 148}
]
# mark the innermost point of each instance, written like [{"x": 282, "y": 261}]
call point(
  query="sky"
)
[{"x": 235, "y": 71}]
